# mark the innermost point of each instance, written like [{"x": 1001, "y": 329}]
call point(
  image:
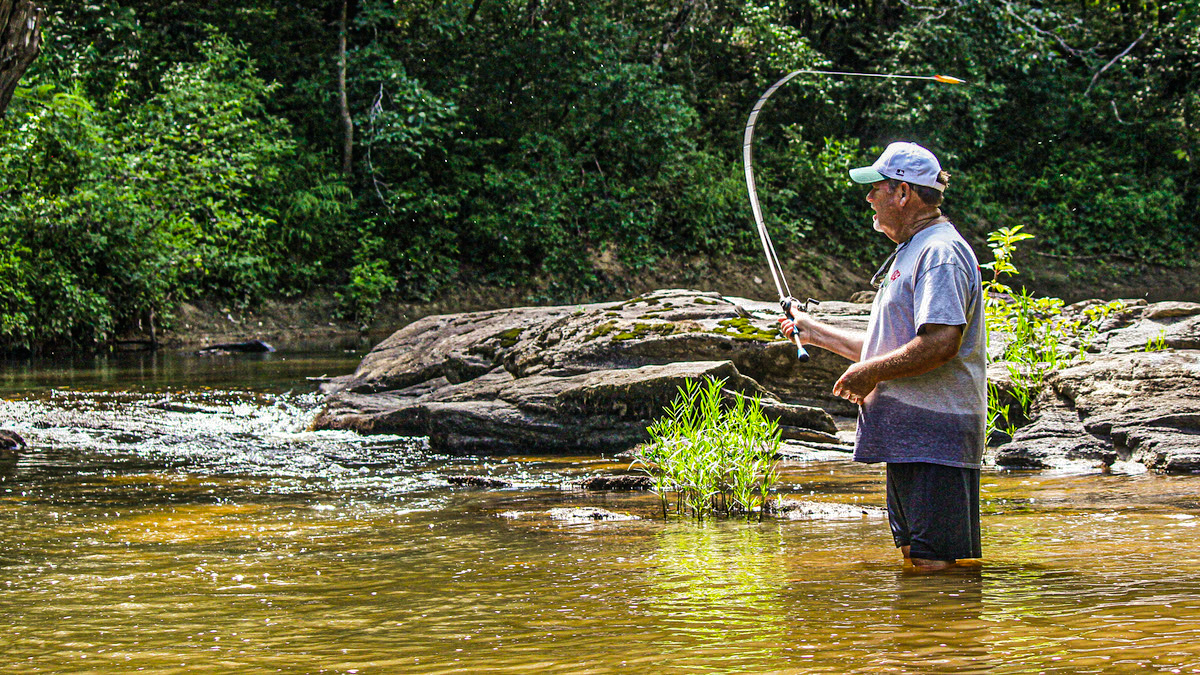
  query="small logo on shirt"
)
[{"x": 889, "y": 280}]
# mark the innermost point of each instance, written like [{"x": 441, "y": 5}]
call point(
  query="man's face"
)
[{"x": 886, "y": 201}]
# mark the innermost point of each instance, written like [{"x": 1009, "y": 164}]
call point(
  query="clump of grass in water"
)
[{"x": 716, "y": 458}]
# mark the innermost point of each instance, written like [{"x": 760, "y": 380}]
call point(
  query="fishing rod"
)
[{"x": 785, "y": 294}]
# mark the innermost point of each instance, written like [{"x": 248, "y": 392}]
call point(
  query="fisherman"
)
[{"x": 919, "y": 374}]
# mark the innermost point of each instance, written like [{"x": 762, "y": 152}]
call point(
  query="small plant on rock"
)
[
  {"x": 1038, "y": 334},
  {"x": 715, "y": 452}
]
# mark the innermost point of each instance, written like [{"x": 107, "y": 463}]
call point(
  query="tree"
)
[{"x": 20, "y": 40}]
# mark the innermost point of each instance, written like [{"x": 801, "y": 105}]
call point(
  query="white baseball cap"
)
[{"x": 908, "y": 162}]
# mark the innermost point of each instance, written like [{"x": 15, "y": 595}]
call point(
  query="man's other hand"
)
[{"x": 856, "y": 383}]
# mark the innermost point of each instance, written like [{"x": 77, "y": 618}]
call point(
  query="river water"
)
[{"x": 174, "y": 515}]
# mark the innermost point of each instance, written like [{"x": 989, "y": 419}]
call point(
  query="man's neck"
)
[{"x": 921, "y": 221}]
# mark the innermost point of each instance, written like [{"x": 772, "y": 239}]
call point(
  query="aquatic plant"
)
[{"x": 713, "y": 450}]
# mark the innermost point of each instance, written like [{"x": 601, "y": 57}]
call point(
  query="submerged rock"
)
[
  {"x": 582, "y": 378},
  {"x": 478, "y": 481},
  {"x": 796, "y": 509},
  {"x": 617, "y": 482},
  {"x": 569, "y": 514},
  {"x": 246, "y": 347},
  {"x": 11, "y": 444}
]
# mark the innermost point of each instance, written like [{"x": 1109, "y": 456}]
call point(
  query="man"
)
[{"x": 920, "y": 371}]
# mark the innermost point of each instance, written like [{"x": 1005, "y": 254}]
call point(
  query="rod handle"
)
[
  {"x": 788, "y": 305},
  {"x": 801, "y": 352}
]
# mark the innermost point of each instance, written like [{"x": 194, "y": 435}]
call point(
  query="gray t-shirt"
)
[{"x": 938, "y": 417}]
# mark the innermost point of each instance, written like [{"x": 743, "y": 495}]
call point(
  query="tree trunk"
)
[
  {"x": 20, "y": 40},
  {"x": 347, "y": 121}
]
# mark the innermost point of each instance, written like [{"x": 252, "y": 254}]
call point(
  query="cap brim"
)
[{"x": 866, "y": 175}]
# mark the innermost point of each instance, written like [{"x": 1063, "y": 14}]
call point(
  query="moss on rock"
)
[
  {"x": 641, "y": 330},
  {"x": 743, "y": 329},
  {"x": 509, "y": 337},
  {"x": 601, "y": 330}
]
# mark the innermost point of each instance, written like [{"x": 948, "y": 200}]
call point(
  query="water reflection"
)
[{"x": 216, "y": 533}]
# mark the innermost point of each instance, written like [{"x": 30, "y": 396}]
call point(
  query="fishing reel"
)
[{"x": 789, "y": 303}]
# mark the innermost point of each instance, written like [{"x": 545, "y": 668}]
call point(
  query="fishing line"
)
[{"x": 785, "y": 294}]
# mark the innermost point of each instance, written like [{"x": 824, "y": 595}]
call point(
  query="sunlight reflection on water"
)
[{"x": 214, "y": 533}]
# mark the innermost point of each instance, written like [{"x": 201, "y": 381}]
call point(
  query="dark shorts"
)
[{"x": 935, "y": 510}]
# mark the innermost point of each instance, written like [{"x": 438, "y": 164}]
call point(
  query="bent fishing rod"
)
[{"x": 786, "y": 301}]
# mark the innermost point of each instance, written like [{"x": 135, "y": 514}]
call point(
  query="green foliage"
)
[
  {"x": 115, "y": 214},
  {"x": 1038, "y": 339},
  {"x": 165, "y": 150},
  {"x": 1158, "y": 343},
  {"x": 370, "y": 280},
  {"x": 718, "y": 458}
]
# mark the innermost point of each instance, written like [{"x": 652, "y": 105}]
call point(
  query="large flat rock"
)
[
  {"x": 586, "y": 377},
  {"x": 593, "y": 377},
  {"x": 1135, "y": 406}
]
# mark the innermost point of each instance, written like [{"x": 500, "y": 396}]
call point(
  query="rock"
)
[
  {"x": 1142, "y": 407},
  {"x": 1056, "y": 437},
  {"x": 620, "y": 482},
  {"x": 478, "y": 481},
  {"x": 1170, "y": 310},
  {"x": 793, "y": 509},
  {"x": 591, "y": 378},
  {"x": 602, "y": 411},
  {"x": 247, "y": 347},
  {"x": 175, "y": 406},
  {"x": 11, "y": 444},
  {"x": 586, "y": 514},
  {"x": 569, "y": 515},
  {"x": 1173, "y": 331},
  {"x": 588, "y": 378}
]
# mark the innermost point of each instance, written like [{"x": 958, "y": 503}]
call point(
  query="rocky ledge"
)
[
  {"x": 591, "y": 378},
  {"x": 1136, "y": 399},
  {"x": 583, "y": 378}
]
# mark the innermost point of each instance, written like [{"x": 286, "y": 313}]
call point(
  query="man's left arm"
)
[{"x": 934, "y": 345}]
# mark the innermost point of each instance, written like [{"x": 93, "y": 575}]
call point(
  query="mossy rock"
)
[
  {"x": 601, "y": 330},
  {"x": 743, "y": 329},
  {"x": 641, "y": 330},
  {"x": 509, "y": 337}
]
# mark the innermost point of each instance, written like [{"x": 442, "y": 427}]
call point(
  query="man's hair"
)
[{"x": 931, "y": 196}]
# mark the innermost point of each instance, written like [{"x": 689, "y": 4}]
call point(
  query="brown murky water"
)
[{"x": 211, "y": 533}]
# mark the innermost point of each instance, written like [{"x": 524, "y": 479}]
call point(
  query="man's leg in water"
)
[
  {"x": 923, "y": 565},
  {"x": 933, "y": 509}
]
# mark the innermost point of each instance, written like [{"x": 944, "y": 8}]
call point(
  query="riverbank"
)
[{"x": 312, "y": 322}]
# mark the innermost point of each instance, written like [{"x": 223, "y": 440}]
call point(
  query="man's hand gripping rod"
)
[{"x": 785, "y": 295}]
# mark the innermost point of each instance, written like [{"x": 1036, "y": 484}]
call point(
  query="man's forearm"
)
[
  {"x": 931, "y": 348},
  {"x": 842, "y": 342},
  {"x": 922, "y": 354}
]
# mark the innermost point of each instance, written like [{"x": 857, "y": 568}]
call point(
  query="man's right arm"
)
[{"x": 840, "y": 341}]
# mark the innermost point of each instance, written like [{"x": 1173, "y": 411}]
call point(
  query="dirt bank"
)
[{"x": 312, "y": 322}]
